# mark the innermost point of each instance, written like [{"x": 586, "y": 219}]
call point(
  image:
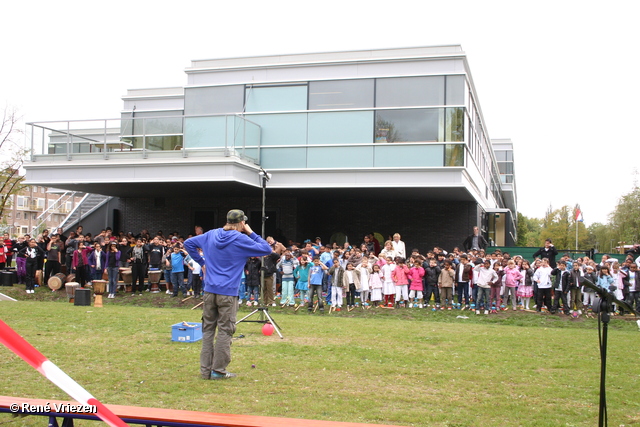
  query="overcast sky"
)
[{"x": 557, "y": 77}]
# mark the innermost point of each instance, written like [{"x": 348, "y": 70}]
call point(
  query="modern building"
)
[{"x": 384, "y": 141}]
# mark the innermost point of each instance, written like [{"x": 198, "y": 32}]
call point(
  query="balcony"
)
[
  {"x": 144, "y": 137},
  {"x": 143, "y": 156}
]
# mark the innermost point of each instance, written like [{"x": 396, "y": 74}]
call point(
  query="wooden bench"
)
[{"x": 170, "y": 417}]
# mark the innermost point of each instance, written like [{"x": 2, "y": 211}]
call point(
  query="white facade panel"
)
[
  {"x": 328, "y": 72},
  {"x": 144, "y": 104},
  {"x": 369, "y": 178}
]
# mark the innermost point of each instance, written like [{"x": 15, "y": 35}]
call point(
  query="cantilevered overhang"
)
[
  {"x": 201, "y": 176},
  {"x": 141, "y": 177},
  {"x": 231, "y": 176}
]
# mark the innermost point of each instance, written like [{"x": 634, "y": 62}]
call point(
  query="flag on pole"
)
[{"x": 579, "y": 217}]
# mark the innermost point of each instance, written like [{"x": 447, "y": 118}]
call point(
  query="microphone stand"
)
[{"x": 604, "y": 307}]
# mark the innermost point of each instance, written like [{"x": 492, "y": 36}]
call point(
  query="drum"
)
[
  {"x": 71, "y": 277},
  {"x": 154, "y": 278},
  {"x": 39, "y": 277},
  {"x": 55, "y": 282},
  {"x": 105, "y": 275},
  {"x": 126, "y": 278},
  {"x": 71, "y": 287},
  {"x": 99, "y": 287},
  {"x": 126, "y": 275}
]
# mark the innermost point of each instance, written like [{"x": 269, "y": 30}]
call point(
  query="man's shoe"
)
[{"x": 218, "y": 376}]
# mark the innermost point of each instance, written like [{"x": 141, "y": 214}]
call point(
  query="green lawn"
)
[{"x": 404, "y": 366}]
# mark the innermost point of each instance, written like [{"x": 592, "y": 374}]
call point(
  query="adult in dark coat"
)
[
  {"x": 475, "y": 241},
  {"x": 549, "y": 251}
]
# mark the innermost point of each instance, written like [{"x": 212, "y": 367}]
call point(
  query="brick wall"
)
[
  {"x": 422, "y": 224},
  {"x": 179, "y": 214}
]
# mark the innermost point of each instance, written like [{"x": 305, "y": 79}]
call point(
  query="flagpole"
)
[{"x": 578, "y": 218}]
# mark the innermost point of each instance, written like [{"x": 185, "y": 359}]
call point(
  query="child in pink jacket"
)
[
  {"x": 400, "y": 276},
  {"x": 512, "y": 278},
  {"x": 416, "y": 273}
]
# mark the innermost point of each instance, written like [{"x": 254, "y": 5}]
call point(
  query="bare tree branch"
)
[{"x": 12, "y": 159}]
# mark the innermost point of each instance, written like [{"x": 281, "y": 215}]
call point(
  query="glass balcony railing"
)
[
  {"x": 143, "y": 137},
  {"x": 335, "y": 139}
]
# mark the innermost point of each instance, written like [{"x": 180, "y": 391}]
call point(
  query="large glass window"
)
[
  {"x": 283, "y": 158},
  {"x": 455, "y": 90},
  {"x": 275, "y": 98},
  {"x": 156, "y": 123},
  {"x": 157, "y": 143},
  {"x": 345, "y": 127},
  {"x": 454, "y": 130},
  {"x": 410, "y": 91},
  {"x": 213, "y": 100},
  {"x": 501, "y": 155},
  {"x": 281, "y": 129},
  {"x": 454, "y": 155},
  {"x": 505, "y": 167},
  {"x": 338, "y": 94},
  {"x": 409, "y": 155},
  {"x": 420, "y": 125},
  {"x": 504, "y": 155},
  {"x": 340, "y": 157},
  {"x": 205, "y": 131}
]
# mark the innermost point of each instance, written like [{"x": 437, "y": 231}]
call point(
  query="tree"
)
[
  {"x": 528, "y": 230},
  {"x": 600, "y": 237},
  {"x": 13, "y": 155},
  {"x": 624, "y": 221},
  {"x": 560, "y": 226}
]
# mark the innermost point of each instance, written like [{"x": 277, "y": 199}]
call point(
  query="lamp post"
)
[
  {"x": 263, "y": 310},
  {"x": 264, "y": 177}
]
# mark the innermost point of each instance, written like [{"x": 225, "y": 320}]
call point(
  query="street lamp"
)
[
  {"x": 263, "y": 310},
  {"x": 264, "y": 178}
]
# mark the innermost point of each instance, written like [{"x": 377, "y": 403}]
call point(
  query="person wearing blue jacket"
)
[{"x": 225, "y": 252}]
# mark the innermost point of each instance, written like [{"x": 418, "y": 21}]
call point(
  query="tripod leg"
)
[
  {"x": 275, "y": 325},
  {"x": 247, "y": 316}
]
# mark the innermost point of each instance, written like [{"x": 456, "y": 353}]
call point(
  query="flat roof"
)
[{"x": 326, "y": 57}]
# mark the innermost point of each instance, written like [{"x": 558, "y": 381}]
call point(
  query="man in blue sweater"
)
[{"x": 225, "y": 252}]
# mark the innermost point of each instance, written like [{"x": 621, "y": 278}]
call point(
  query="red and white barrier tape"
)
[{"x": 33, "y": 357}]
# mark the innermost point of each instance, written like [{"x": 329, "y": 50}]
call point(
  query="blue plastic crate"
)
[{"x": 186, "y": 332}]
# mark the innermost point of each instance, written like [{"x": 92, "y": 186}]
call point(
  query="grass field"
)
[{"x": 405, "y": 366}]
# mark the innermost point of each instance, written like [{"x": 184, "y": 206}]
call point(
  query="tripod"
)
[{"x": 264, "y": 318}]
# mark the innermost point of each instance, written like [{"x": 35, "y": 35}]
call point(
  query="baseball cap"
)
[{"x": 235, "y": 216}]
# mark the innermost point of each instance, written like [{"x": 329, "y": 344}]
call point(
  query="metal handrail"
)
[
  {"x": 99, "y": 134},
  {"x": 52, "y": 210}
]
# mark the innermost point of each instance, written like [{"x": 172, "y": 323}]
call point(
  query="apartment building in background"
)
[{"x": 37, "y": 207}]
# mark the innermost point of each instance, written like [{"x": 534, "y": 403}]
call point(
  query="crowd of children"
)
[
  {"x": 366, "y": 275},
  {"x": 474, "y": 280}
]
